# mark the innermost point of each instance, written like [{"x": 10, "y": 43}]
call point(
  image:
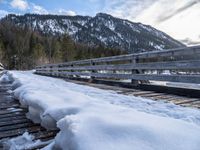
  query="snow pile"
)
[
  {"x": 5, "y": 77},
  {"x": 122, "y": 129},
  {"x": 26, "y": 141},
  {"x": 91, "y": 118}
]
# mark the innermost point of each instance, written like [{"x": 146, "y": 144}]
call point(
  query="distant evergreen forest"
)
[{"x": 22, "y": 48}]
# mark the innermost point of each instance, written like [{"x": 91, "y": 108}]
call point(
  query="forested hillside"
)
[
  {"x": 102, "y": 29},
  {"x": 23, "y": 48}
]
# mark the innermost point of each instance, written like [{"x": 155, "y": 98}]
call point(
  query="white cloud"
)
[
  {"x": 20, "y": 4},
  {"x": 38, "y": 9},
  {"x": 66, "y": 12},
  {"x": 126, "y": 8},
  {"x": 3, "y": 13},
  {"x": 179, "y": 20}
]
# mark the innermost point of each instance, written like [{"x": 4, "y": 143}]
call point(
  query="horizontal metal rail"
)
[
  {"x": 180, "y": 65},
  {"x": 183, "y": 62},
  {"x": 152, "y": 54},
  {"x": 171, "y": 78}
]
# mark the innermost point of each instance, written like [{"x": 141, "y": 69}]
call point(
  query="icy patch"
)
[
  {"x": 26, "y": 141},
  {"x": 6, "y": 78}
]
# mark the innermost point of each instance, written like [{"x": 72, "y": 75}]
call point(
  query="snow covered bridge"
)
[{"x": 89, "y": 116}]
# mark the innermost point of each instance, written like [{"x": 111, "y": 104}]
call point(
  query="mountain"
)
[{"x": 102, "y": 29}]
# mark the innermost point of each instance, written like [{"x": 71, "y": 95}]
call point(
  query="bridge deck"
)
[
  {"x": 13, "y": 121},
  {"x": 185, "y": 101}
]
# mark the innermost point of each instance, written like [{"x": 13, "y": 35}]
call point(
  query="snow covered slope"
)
[
  {"x": 91, "y": 118},
  {"x": 103, "y": 29}
]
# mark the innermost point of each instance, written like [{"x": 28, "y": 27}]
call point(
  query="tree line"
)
[{"x": 22, "y": 48}]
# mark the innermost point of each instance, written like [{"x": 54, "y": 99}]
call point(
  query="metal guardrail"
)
[{"x": 181, "y": 65}]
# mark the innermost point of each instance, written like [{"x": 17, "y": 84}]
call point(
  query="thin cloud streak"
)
[
  {"x": 178, "y": 18},
  {"x": 177, "y": 11}
]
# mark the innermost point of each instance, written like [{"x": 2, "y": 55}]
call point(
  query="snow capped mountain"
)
[{"x": 103, "y": 29}]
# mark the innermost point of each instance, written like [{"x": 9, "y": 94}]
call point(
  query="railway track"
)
[{"x": 13, "y": 121}]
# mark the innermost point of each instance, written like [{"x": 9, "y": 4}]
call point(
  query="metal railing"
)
[{"x": 174, "y": 65}]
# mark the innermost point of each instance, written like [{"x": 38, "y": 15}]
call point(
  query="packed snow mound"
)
[
  {"x": 116, "y": 128},
  {"x": 91, "y": 118}
]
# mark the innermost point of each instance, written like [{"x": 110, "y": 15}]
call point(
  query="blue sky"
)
[
  {"x": 178, "y": 18},
  {"x": 82, "y": 7}
]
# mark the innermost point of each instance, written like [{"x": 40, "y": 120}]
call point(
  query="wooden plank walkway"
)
[{"x": 13, "y": 121}]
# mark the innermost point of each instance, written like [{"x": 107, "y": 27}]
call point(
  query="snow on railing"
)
[
  {"x": 1, "y": 67},
  {"x": 174, "y": 65}
]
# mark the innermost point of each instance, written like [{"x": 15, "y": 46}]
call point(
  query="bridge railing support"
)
[{"x": 173, "y": 65}]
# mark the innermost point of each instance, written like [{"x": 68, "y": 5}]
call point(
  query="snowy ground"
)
[{"x": 95, "y": 119}]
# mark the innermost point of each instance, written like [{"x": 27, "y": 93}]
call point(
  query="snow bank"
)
[
  {"x": 111, "y": 128},
  {"x": 91, "y": 118},
  {"x": 5, "y": 77}
]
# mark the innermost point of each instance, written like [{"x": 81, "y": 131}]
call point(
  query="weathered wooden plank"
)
[
  {"x": 12, "y": 115},
  {"x": 192, "y": 104},
  {"x": 13, "y": 122},
  {"x": 7, "y": 99},
  {"x": 17, "y": 132},
  {"x": 171, "y": 78},
  {"x": 173, "y": 65},
  {"x": 151, "y": 95},
  {"x": 45, "y": 134},
  {"x": 11, "y": 118},
  {"x": 141, "y": 93},
  {"x": 17, "y": 126},
  {"x": 5, "y": 112},
  {"x": 177, "y": 101},
  {"x": 187, "y": 101},
  {"x": 11, "y": 106}
]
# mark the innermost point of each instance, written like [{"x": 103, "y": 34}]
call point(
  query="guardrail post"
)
[
  {"x": 134, "y": 61},
  {"x": 93, "y": 71},
  {"x": 72, "y": 65},
  {"x": 51, "y": 70},
  {"x": 181, "y": 61}
]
